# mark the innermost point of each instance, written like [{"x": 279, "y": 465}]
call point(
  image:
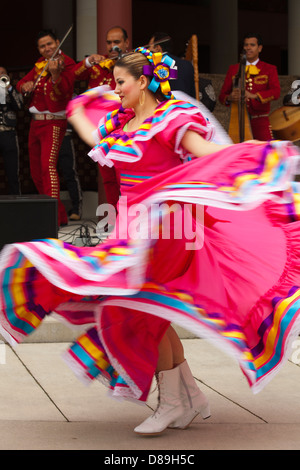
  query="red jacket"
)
[
  {"x": 96, "y": 75},
  {"x": 265, "y": 84},
  {"x": 49, "y": 96}
]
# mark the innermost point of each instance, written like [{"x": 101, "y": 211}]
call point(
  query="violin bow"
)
[{"x": 156, "y": 43}]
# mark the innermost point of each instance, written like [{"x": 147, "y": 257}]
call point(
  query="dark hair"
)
[
  {"x": 125, "y": 35},
  {"x": 134, "y": 64},
  {"x": 46, "y": 32},
  {"x": 167, "y": 46},
  {"x": 254, "y": 35}
]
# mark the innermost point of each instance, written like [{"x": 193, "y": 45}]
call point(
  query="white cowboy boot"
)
[
  {"x": 194, "y": 401},
  {"x": 169, "y": 404}
]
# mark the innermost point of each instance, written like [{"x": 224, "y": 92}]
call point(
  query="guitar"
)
[
  {"x": 239, "y": 124},
  {"x": 285, "y": 123}
]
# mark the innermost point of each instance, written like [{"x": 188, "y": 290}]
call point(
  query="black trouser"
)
[
  {"x": 9, "y": 150},
  {"x": 67, "y": 165}
]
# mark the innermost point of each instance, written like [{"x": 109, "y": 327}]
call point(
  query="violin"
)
[
  {"x": 104, "y": 62},
  {"x": 59, "y": 58}
]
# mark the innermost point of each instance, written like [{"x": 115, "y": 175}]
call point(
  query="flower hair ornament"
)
[{"x": 161, "y": 69}]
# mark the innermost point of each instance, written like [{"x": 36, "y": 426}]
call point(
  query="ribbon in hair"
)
[{"x": 160, "y": 69}]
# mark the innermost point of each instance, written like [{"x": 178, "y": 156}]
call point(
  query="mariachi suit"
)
[
  {"x": 101, "y": 75},
  {"x": 48, "y": 127},
  {"x": 262, "y": 79}
]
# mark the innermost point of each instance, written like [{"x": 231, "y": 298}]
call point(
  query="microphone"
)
[{"x": 118, "y": 50}]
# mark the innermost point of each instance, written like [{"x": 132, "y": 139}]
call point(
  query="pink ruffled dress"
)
[{"x": 233, "y": 277}]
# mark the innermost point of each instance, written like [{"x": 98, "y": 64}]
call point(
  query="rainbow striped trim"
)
[
  {"x": 90, "y": 358},
  {"x": 131, "y": 180},
  {"x": 271, "y": 171},
  {"x": 129, "y": 147},
  {"x": 17, "y": 289},
  {"x": 274, "y": 332},
  {"x": 293, "y": 207},
  {"x": 111, "y": 123}
]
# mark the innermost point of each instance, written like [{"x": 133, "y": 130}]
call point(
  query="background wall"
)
[{"x": 21, "y": 23}]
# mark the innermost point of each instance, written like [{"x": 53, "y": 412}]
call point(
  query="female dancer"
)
[{"x": 234, "y": 281}]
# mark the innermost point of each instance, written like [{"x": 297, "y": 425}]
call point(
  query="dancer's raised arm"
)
[
  {"x": 199, "y": 147},
  {"x": 82, "y": 125}
]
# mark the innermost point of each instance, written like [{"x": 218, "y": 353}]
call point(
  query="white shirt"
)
[{"x": 252, "y": 63}]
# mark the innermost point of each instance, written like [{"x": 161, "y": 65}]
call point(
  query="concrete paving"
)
[{"x": 43, "y": 406}]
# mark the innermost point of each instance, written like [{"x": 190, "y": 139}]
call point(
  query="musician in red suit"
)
[
  {"x": 98, "y": 70},
  {"x": 261, "y": 87},
  {"x": 50, "y": 90}
]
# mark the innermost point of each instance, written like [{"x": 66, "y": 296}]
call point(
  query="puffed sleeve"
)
[{"x": 178, "y": 123}]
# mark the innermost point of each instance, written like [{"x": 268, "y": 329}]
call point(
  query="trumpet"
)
[{"x": 4, "y": 81}]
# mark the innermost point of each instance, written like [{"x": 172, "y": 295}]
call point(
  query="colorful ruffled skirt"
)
[{"x": 233, "y": 278}]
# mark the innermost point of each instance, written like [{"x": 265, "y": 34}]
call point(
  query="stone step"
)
[{"x": 53, "y": 331}]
